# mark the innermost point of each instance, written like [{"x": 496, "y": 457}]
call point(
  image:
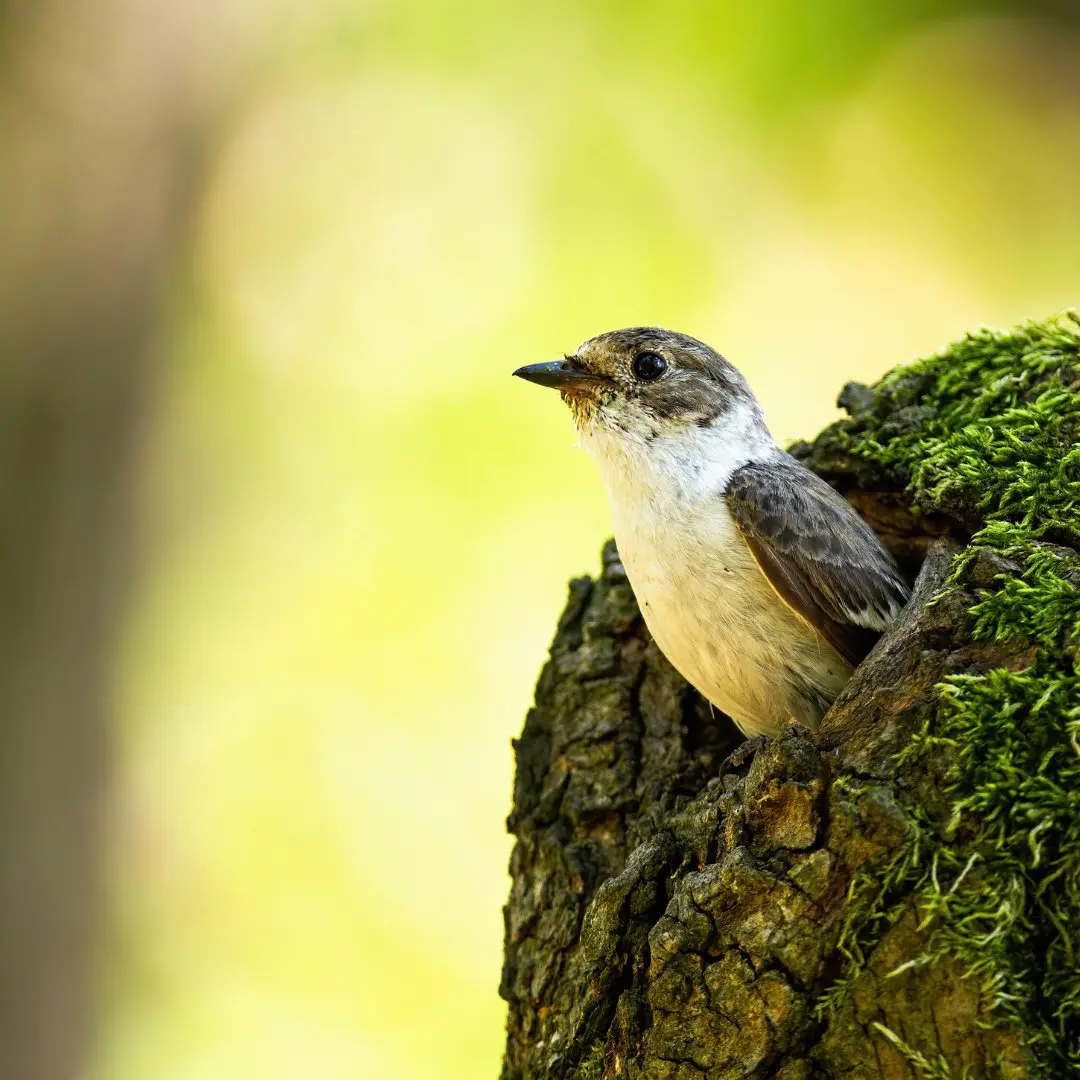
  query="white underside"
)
[
  {"x": 708, "y": 605},
  {"x": 720, "y": 623}
]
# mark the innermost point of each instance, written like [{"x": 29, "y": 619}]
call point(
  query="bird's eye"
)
[{"x": 648, "y": 366}]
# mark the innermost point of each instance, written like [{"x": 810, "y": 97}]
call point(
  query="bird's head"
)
[{"x": 644, "y": 382}]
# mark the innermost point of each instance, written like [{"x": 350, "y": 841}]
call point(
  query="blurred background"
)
[{"x": 282, "y": 544}]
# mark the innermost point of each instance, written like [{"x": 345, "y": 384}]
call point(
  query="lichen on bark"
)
[{"x": 898, "y": 896}]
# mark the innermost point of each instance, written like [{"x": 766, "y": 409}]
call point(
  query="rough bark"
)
[{"x": 853, "y": 905}]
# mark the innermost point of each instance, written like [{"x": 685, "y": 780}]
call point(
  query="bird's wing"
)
[{"x": 822, "y": 559}]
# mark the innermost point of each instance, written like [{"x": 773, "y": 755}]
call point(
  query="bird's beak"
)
[{"x": 558, "y": 373}]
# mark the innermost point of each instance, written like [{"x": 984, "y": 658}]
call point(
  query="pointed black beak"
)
[{"x": 557, "y": 373}]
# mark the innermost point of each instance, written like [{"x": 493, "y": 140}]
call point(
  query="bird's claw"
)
[{"x": 741, "y": 754}]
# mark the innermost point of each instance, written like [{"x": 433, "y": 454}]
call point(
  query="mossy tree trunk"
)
[{"x": 896, "y": 897}]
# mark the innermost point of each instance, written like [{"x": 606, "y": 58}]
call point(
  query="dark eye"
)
[{"x": 648, "y": 366}]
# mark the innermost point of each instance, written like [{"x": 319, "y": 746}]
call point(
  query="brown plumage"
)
[{"x": 823, "y": 560}]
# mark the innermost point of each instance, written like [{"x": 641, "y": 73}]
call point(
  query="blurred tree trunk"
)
[
  {"x": 802, "y": 919},
  {"x": 95, "y": 154}
]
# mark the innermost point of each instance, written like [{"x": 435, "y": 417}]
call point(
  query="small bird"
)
[{"x": 761, "y": 584}]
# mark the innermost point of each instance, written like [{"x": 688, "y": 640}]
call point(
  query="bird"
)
[{"x": 758, "y": 581}]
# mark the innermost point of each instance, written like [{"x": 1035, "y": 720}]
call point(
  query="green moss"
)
[
  {"x": 1039, "y": 603},
  {"x": 875, "y": 901},
  {"x": 986, "y": 429},
  {"x": 986, "y": 433},
  {"x": 929, "y": 1068},
  {"x": 591, "y": 1066}
]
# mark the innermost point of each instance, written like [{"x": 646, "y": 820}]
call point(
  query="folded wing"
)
[{"x": 823, "y": 560}]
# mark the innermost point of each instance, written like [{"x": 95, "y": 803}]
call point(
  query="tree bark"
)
[{"x": 853, "y": 905}]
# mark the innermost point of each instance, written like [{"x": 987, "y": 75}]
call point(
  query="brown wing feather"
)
[{"x": 822, "y": 559}]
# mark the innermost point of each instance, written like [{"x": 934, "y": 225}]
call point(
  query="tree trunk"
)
[
  {"x": 95, "y": 155},
  {"x": 898, "y": 896}
]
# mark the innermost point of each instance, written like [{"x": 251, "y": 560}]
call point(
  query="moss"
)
[
  {"x": 929, "y": 1069},
  {"x": 876, "y": 899},
  {"x": 985, "y": 433},
  {"x": 591, "y": 1066},
  {"x": 1040, "y": 603},
  {"x": 997, "y": 420}
]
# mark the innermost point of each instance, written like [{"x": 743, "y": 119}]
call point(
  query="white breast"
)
[{"x": 708, "y": 605}]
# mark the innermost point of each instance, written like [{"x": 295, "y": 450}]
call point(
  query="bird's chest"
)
[
  {"x": 702, "y": 595},
  {"x": 672, "y": 554}
]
